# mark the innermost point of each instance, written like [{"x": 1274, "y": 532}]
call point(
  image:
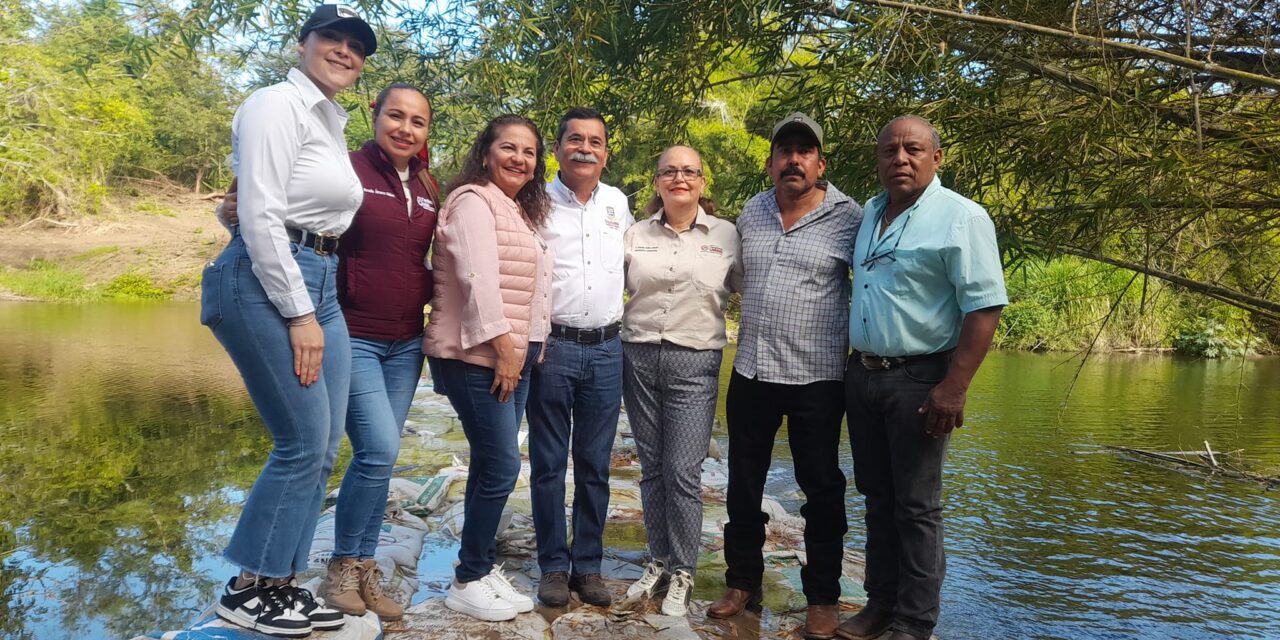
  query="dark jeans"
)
[
  {"x": 897, "y": 467},
  {"x": 755, "y": 410},
  {"x": 491, "y": 429},
  {"x": 579, "y": 385}
]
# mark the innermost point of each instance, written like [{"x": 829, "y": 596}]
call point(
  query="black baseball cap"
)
[{"x": 342, "y": 18}]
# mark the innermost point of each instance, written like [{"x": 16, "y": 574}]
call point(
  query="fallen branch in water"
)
[{"x": 1205, "y": 463}]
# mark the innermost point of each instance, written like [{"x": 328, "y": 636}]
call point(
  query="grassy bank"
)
[{"x": 51, "y": 282}]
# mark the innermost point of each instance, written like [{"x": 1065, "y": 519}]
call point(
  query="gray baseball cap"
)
[{"x": 797, "y": 122}]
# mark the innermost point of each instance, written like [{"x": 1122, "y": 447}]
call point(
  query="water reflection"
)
[
  {"x": 126, "y": 441},
  {"x": 118, "y": 440}
]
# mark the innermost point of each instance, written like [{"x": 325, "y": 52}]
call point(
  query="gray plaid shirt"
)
[{"x": 795, "y": 294}]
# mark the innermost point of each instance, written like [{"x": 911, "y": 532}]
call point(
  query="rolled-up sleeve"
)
[
  {"x": 973, "y": 264},
  {"x": 267, "y": 140},
  {"x": 473, "y": 229}
]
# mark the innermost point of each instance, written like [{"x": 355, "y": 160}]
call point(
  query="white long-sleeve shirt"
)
[
  {"x": 587, "y": 242},
  {"x": 290, "y": 157}
]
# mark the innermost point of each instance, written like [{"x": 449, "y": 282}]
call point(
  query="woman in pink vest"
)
[{"x": 488, "y": 320}]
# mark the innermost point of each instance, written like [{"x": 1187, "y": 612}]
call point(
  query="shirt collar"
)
[
  {"x": 699, "y": 221},
  {"x": 311, "y": 94},
  {"x": 561, "y": 190},
  {"x": 831, "y": 197},
  {"x": 882, "y": 199}
]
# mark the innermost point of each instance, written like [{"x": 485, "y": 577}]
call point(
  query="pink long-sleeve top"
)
[{"x": 492, "y": 277}]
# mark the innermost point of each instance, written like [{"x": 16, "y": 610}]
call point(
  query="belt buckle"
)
[
  {"x": 591, "y": 336},
  {"x": 874, "y": 363},
  {"x": 325, "y": 244}
]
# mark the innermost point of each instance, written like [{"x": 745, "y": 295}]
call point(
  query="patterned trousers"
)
[{"x": 670, "y": 394}]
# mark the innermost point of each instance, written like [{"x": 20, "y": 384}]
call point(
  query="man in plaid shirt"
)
[{"x": 797, "y": 239}]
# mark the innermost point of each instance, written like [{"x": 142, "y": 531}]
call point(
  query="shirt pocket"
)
[{"x": 710, "y": 270}]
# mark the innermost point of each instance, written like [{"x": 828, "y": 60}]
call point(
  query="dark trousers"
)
[
  {"x": 897, "y": 467},
  {"x": 575, "y": 397},
  {"x": 755, "y": 410}
]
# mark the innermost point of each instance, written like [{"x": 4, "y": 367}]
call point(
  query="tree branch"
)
[{"x": 1210, "y": 68}]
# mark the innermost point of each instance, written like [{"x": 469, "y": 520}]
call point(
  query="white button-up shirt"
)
[
  {"x": 290, "y": 157},
  {"x": 587, "y": 242}
]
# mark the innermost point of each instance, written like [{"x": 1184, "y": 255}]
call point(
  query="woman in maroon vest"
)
[{"x": 383, "y": 284}]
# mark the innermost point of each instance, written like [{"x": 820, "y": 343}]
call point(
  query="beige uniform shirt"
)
[{"x": 679, "y": 282}]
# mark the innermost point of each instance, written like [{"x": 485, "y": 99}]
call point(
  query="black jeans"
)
[
  {"x": 897, "y": 467},
  {"x": 755, "y": 410}
]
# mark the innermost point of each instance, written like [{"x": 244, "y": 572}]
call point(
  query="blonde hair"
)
[{"x": 655, "y": 203}]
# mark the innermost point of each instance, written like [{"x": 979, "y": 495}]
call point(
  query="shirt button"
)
[
  {"x": 865, "y": 286},
  {"x": 864, "y": 319}
]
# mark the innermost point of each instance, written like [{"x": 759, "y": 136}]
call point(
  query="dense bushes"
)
[{"x": 88, "y": 98}]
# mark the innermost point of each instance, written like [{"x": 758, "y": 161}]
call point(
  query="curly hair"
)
[{"x": 532, "y": 198}]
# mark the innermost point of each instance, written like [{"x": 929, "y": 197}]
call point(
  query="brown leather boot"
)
[
  {"x": 371, "y": 592},
  {"x": 868, "y": 624},
  {"x": 733, "y": 602},
  {"x": 821, "y": 621},
  {"x": 340, "y": 587}
]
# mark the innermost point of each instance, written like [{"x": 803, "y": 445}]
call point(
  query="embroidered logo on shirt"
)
[
  {"x": 612, "y": 221},
  {"x": 645, "y": 249},
  {"x": 425, "y": 203},
  {"x": 711, "y": 248}
]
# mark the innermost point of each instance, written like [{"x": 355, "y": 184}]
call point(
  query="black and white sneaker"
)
[
  {"x": 258, "y": 607},
  {"x": 322, "y": 617}
]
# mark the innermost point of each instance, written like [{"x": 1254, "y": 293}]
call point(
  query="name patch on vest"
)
[{"x": 379, "y": 192}]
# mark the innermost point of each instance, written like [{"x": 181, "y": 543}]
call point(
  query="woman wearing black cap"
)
[{"x": 270, "y": 299}]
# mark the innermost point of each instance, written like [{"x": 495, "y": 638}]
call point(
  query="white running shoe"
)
[
  {"x": 479, "y": 600},
  {"x": 507, "y": 591},
  {"x": 676, "y": 602},
  {"x": 654, "y": 571}
]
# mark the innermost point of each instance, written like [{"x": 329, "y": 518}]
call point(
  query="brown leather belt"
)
[{"x": 873, "y": 362}]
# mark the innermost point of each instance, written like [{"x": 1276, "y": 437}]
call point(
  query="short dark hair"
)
[
  {"x": 532, "y": 198},
  {"x": 581, "y": 113}
]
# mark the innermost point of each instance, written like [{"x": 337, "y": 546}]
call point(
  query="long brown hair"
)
[{"x": 532, "y": 197}]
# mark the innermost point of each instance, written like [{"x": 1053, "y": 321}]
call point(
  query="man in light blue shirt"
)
[{"x": 927, "y": 293}]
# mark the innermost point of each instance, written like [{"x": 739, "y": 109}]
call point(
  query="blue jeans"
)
[
  {"x": 384, "y": 375},
  {"x": 579, "y": 384},
  {"x": 491, "y": 429},
  {"x": 273, "y": 537}
]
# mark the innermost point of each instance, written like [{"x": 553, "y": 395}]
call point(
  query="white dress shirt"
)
[
  {"x": 587, "y": 242},
  {"x": 290, "y": 157}
]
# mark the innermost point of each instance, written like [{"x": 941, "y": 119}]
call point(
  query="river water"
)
[{"x": 127, "y": 442}]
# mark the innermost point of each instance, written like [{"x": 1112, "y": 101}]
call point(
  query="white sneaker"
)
[
  {"x": 676, "y": 602},
  {"x": 653, "y": 573},
  {"x": 479, "y": 600},
  {"x": 507, "y": 591}
]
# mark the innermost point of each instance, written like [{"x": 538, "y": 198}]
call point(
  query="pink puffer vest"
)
[{"x": 524, "y": 267}]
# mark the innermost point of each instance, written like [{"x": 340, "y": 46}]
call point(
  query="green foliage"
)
[
  {"x": 44, "y": 280},
  {"x": 135, "y": 286},
  {"x": 1222, "y": 333},
  {"x": 91, "y": 93}
]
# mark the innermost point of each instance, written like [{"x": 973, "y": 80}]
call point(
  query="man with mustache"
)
[
  {"x": 796, "y": 242},
  {"x": 576, "y": 391},
  {"x": 927, "y": 293}
]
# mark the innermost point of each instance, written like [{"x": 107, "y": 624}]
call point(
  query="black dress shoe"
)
[{"x": 868, "y": 624}]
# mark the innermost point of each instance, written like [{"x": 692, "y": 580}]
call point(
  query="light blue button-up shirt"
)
[{"x": 936, "y": 262}]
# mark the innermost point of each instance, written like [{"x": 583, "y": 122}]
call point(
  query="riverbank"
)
[
  {"x": 150, "y": 245},
  {"x": 153, "y": 243}
]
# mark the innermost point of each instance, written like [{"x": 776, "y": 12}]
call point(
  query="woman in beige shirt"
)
[{"x": 681, "y": 265}]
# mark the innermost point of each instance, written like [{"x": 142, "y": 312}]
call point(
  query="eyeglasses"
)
[
  {"x": 887, "y": 256},
  {"x": 688, "y": 174}
]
